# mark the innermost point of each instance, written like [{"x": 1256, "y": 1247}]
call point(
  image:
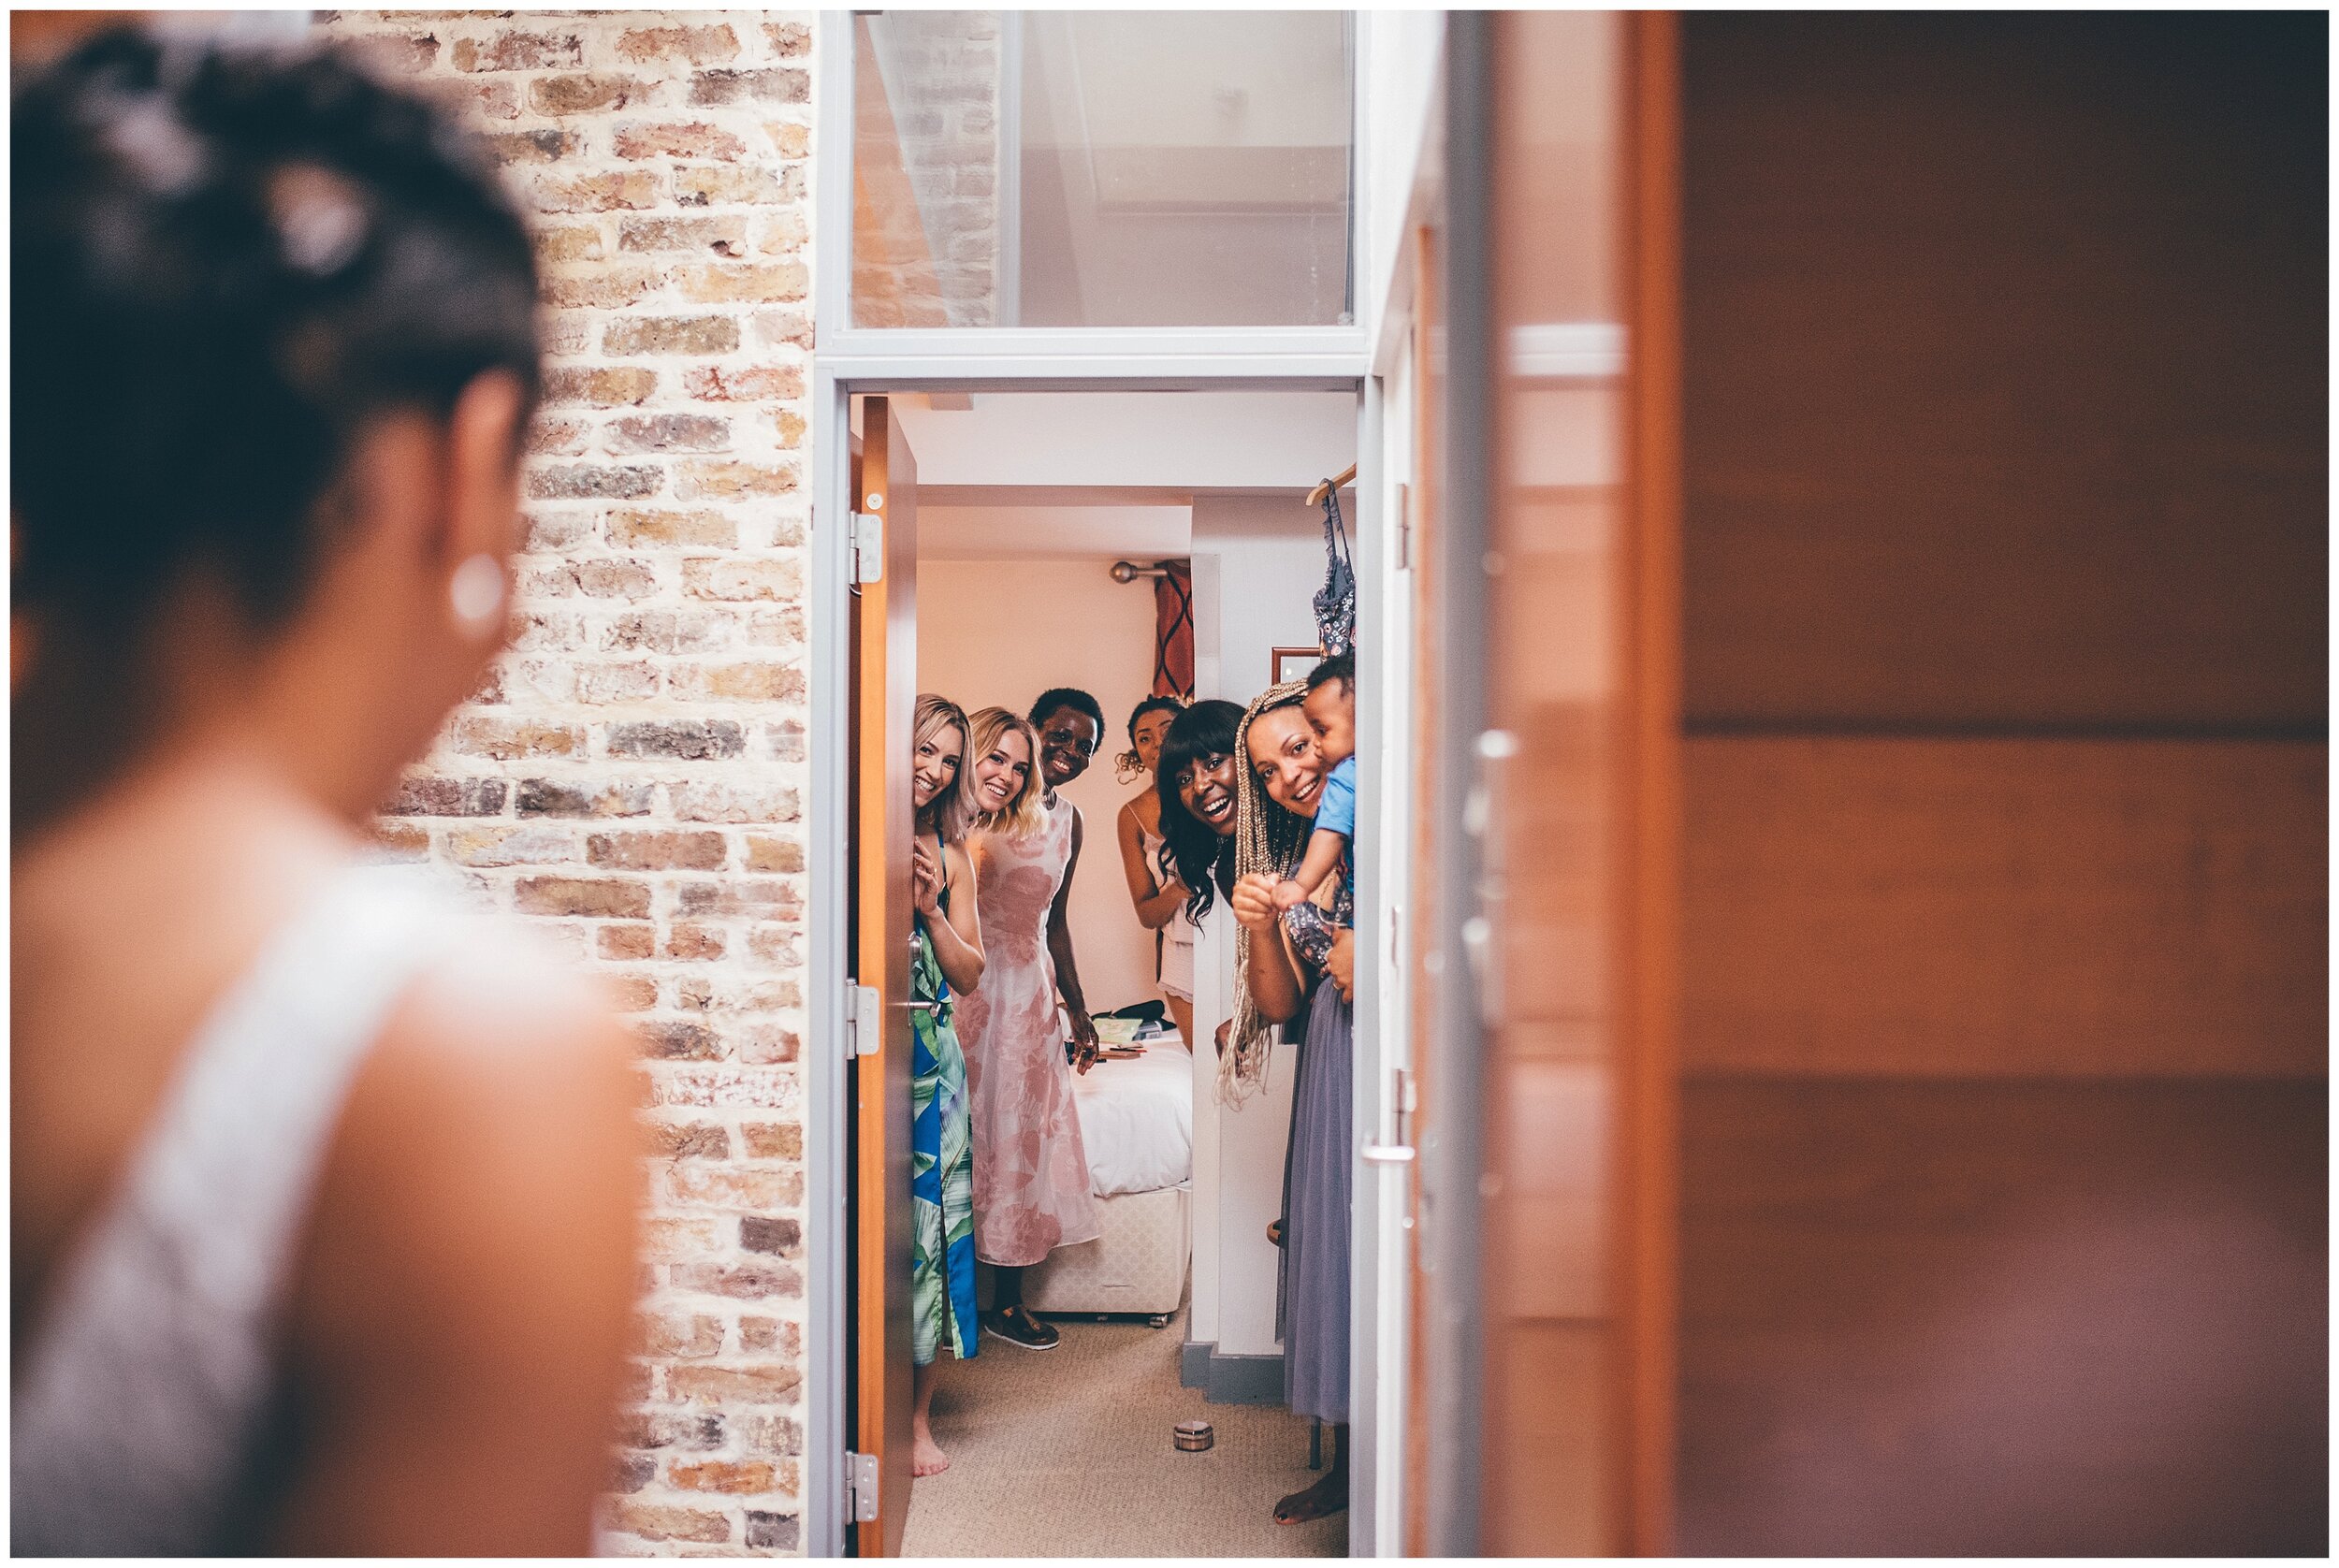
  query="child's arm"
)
[{"x": 1325, "y": 849}]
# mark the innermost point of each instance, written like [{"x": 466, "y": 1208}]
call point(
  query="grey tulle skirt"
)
[{"x": 1312, "y": 1296}]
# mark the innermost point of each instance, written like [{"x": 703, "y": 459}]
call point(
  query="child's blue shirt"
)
[{"x": 1336, "y": 812}]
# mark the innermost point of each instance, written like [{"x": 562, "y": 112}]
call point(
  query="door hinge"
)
[
  {"x": 869, "y": 547},
  {"x": 864, "y": 1019},
  {"x": 1404, "y": 528},
  {"x": 861, "y": 1487}
]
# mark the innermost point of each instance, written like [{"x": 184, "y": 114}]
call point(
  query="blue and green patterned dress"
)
[{"x": 941, "y": 1172}]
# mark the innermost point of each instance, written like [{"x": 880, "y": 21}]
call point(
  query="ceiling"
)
[{"x": 1107, "y": 475}]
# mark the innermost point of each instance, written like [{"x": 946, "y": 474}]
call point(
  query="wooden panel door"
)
[
  {"x": 1576, "y": 776},
  {"x": 885, "y": 678},
  {"x": 1424, "y": 545}
]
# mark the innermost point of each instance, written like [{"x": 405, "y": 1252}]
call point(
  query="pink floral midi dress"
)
[{"x": 1031, "y": 1172}]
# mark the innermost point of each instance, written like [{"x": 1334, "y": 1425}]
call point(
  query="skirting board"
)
[{"x": 1230, "y": 1379}]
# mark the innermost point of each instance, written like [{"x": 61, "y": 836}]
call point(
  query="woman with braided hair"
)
[{"x": 1282, "y": 966}]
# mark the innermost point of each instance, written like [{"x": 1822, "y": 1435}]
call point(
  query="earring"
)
[{"x": 476, "y": 593}]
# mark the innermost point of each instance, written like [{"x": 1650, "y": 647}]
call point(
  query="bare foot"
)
[
  {"x": 925, "y": 1455},
  {"x": 1326, "y": 1497}
]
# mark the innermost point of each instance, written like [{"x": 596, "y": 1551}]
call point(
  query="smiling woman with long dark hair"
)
[{"x": 1195, "y": 780}]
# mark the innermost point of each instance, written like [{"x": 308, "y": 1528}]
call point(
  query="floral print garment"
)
[
  {"x": 941, "y": 1172},
  {"x": 1031, "y": 1173}
]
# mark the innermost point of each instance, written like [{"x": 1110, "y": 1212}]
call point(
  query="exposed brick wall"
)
[{"x": 633, "y": 773}]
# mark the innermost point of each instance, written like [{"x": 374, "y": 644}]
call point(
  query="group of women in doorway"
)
[{"x": 999, "y": 1170}]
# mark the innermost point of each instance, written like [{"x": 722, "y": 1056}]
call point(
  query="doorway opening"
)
[{"x": 1005, "y": 516}]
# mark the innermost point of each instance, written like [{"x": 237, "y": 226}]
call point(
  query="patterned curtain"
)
[{"x": 1173, "y": 632}]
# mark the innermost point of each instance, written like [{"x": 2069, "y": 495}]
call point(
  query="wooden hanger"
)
[{"x": 1315, "y": 497}]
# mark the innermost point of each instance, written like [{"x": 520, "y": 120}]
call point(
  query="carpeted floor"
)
[{"x": 1066, "y": 1453}]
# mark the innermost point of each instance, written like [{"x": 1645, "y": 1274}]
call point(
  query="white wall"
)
[
  {"x": 996, "y": 632},
  {"x": 1182, "y": 442},
  {"x": 1269, "y": 553},
  {"x": 1403, "y": 53},
  {"x": 1257, "y": 562},
  {"x": 1036, "y": 524}
]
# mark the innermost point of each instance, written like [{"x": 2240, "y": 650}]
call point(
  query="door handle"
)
[
  {"x": 919, "y": 1006},
  {"x": 1388, "y": 1154}
]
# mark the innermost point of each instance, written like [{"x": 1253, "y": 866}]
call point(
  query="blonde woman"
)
[
  {"x": 1031, "y": 1182},
  {"x": 946, "y": 964}
]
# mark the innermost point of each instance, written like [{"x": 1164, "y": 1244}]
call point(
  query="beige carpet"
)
[{"x": 1066, "y": 1453}]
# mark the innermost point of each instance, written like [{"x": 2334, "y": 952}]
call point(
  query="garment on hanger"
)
[{"x": 1336, "y": 601}]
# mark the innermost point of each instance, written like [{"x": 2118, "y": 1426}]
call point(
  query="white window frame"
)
[{"x": 849, "y": 360}]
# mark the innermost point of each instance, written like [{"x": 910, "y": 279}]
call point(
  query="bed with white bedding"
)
[{"x": 1137, "y": 1122}]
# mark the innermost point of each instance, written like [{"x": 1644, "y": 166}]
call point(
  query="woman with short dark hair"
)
[{"x": 274, "y": 351}]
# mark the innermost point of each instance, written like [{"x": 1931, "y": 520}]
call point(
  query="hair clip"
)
[{"x": 320, "y": 222}]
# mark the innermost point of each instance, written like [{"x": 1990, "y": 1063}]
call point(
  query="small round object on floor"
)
[{"x": 1193, "y": 1437}]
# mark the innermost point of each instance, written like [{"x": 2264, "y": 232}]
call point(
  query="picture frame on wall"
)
[{"x": 1295, "y": 664}]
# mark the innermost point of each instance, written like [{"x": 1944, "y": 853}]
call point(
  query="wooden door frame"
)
[
  {"x": 849, "y": 360},
  {"x": 828, "y": 810}
]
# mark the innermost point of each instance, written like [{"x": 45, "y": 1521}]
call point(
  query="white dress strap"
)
[{"x": 142, "y": 1389}]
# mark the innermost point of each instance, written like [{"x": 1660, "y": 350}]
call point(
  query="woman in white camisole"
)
[
  {"x": 1154, "y": 890},
  {"x": 324, "y": 1186}
]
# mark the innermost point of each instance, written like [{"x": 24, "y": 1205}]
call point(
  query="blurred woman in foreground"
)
[{"x": 323, "y": 1190}]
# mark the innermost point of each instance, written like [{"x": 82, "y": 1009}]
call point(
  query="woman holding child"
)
[
  {"x": 1240, "y": 792},
  {"x": 1281, "y": 971}
]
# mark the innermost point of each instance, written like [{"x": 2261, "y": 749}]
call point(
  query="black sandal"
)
[{"x": 1017, "y": 1327}]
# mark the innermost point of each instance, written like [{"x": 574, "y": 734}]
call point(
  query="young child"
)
[{"x": 1330, "y": 706}]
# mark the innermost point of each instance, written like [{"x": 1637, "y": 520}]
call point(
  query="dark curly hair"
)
[
  {"x": 1044, "y": 706},
  {"x": 225, "y": 260}
]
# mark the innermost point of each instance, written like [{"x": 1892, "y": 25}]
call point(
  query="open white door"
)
[{"x": 1386, "y": 1174}]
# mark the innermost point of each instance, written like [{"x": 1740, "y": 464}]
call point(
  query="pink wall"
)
[{"x": 1003, "y": 631}]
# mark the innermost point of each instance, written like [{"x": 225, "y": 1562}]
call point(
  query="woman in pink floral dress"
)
[{"x": 1031, "y": 1172}]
